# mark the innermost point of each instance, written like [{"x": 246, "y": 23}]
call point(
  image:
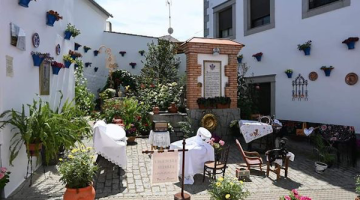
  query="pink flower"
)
[
  {"x": 305, "y": 198},
  {"x": 211, "y": 142},
  {"x": 2, "y": 175},
  {"x": 221, "y": 143},
  {"x": 287, "y": 198},
  {"x": 3, "y": 169},
  {"x": 213, "y": 139},
  {"x": 295, "y": 192},
  {"x": 323, "y": 127}
]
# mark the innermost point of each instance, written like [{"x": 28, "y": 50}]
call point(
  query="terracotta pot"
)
[
  {"x": 201, "y": 106},
  {"x": 156, "y": 110},
  {"x": 357, "y": 198},
  {"x": 35, "y": 149},
  {"x": 222, "y": 106},
  {"x": 172, "y": 108},
  {"x": 87, "y": 193},
  {"x": 131, "y": 139}
]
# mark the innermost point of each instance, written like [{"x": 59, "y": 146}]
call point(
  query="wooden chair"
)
[
  {"x": 250, "y": 158},
  {"x": 277, "y": 168},
  {"x": 212, "y": 167}
]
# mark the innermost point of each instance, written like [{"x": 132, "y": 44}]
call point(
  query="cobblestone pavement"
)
[{"x": 134, "y": 182}]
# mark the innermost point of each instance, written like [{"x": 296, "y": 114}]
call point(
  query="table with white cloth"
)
[
  {"x": 159, "y": 139},
  {"x": 198, "y": 153},
  {"x": 110, "y": 143},
  {"x": 252, "y": 130}
]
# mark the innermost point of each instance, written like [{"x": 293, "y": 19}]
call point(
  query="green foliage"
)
[
  {"x": 357, "y": 184},
  {"x": 324, "y": 150},
  {"x": 84, "y": 99},
  {"x": 223, "y": 100},
  {"x": 67, "y": 57},
  {"x": 130, "y": 111},
  {"x": 74, "y": 31},
  {"x": 107, "y": 94},
  {"x": 288, "y": 71},
  {"x": 240, "y": 56},
  {"x": 4, "y": 177},
  {"x": 186, "y": 128},
  {"x": 111, "y": 109},
  {"x": 227, "y": 189},
  {"x": 121, "y": 77},
  {"x": 78, "y": 169},
  {"x": 161, "y": 64},
  {"x": 304, "y": 46}
]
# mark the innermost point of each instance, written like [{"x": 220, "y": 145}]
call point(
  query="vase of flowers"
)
[
  {"x": 56, "y": 67},
  {"x": 350, "y": 42},
  {"x": 289, "y": 73},
  {"x": 52, "y": 17},
  {"x": 131, "y": 133},
  {"x": 327, "y": 70},
  {"x": 294, "y": 195},
  {"x": 228, "y": 189},
  {"x": 239, "y": 58},
  {"x": 217, "y": 144},
  {"x": 258, "y": 56},
  {"x": 77, "y": 172},
  {"x": 306, "y": 47}
]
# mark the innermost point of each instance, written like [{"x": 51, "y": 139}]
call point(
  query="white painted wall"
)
[
  {"x": 23, "y": 87},
  {"x": 331, "y": 100}
]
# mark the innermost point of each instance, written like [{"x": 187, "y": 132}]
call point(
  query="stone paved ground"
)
[{"x": 134, "y": 182}]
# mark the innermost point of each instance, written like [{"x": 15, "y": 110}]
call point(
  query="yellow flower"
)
[
  {"x": 127, "y": 87},
  {"x": 231, "y": 183},
  {"x": 71, "y": 156},
  {"x": 220, "y": 179},
  {"x": 83, "y": 150},
  {"x": 227, "y": 196},
  {"x": 88, "y": 148},
  {"x": 218, "y": 184},
  {"x": 74, "y": 150},
  {"x": 60, "y": 159},
  {"x": 141, "y": 103},
  {"x": 241, "y": 182}
]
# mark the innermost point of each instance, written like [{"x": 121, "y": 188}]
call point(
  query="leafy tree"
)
[
  {"x": 84, "y": 99},
  {"x": 161, "y": 63}
]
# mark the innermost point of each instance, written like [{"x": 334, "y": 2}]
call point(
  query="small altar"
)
[{"x": 173, "y": 119}]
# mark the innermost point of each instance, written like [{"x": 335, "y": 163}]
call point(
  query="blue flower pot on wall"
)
[
  {"x": 37, "y": 60},
  {"x": 55, "y": 70},
  {"x": 258, "y": 58},
  {"x": 67, "y": 35},
  {"x": 239, "y": 60},
  {"x": 24, "y": 3},
  {"x": 351, "y": 45},
  {"x": 77, "y": 46},
  {"x": 73, "y": 57},
  {"x": 289, "y": 75},
  {"x": 327, "y": 72},
  {"x": 96, "y": 69},
  {"x": 67, "y": 64},
  {"x": 50, "y": 19},
  {"x": 96, "y": 52},
  {"x": 307, "y": 51}
]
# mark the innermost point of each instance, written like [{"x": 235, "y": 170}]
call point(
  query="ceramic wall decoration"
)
[
  {"x": 18, "y": 37},
  {"x": 58, "y": 49},
  {"x": 351, "y": 79},
  {"x": 36, "y": 40},
  {"x": 313, "y": 76}
]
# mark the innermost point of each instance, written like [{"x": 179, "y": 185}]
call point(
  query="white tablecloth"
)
[
  {"x": 252, "y": 130},
  {"x": 110, "y": 142},
  {"x": 159, "y": 139},
  {"x": 195, "y": 158}
]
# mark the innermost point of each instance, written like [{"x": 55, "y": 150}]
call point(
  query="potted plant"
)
[
  {"x": 327, "y": 70},
  {"x": 38, "y": 57},
  {"x": 239, "y": 58},
  {"x": 201, "y": 102},
  {"x": 131, "y": 133},
  {"x": 141, "y": 52},
  {"x": 258, "y": 56},
  {"x": 25, "y": 3},
  {"x": 51, "y": 17},
  {"x": 71, "y": 31},
  {"x": 294, "y": 195},
  {"x": 357, "y": 184},
  {"x": 350, "y": 42},
  {"x": 56, "y": 67},
  {"x": 226, "y": 188},
  {"x": 289, "y": 73},
  {"x": 156, "y": 110},
  {"x": 223, "y": 102},
  {"x": 96, "y": 52},
  {"x": 74, "y": 54},
  {"x": 4, "y": 178},
  {"x": 96, "y": 69},
  {"x": 172, "y": 108},
  {"x": 210, "y": 103},
  {"x": 68, "y": 60},
  {"x": 86, "y": 49},
  {"x": 325, "y": 158},
  {"x": 77, "y": 45},
  {"x": 122, "y": 53},
  {"x": 88, "y": 64},
  {"x": 306, "y": 47},
  {"x": 77, "y": 173},
  {"x": 132, "y": 64}
]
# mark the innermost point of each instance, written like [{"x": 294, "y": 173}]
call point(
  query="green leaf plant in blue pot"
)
[
  {"x": 289, "y": 73},
  {"x": 327, "y": 70},
  {"x": 306, "y": 47},
  {"x": 239, "y": 58}
]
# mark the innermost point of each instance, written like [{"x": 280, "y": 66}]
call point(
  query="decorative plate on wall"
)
[
  {"x": 58, "y": 49},
  {"x": 351, "y": 79},
  {"x": 313, "y": 76},
  {"x": 36, "y": 40}
]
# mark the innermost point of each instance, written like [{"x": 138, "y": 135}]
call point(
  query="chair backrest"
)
[
  {"x": 240, "y": 148},
  {"x": 224, "y": 156}
]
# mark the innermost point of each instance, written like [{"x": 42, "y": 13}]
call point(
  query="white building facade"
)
[{"x": 275, "y": 28}]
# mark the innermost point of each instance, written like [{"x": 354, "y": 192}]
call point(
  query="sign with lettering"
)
[
  {"x": 212, "y": 79},
  {"x": 165, "y": 167}
]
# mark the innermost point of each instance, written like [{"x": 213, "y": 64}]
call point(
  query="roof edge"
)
[{"x": 101, "y": 8}]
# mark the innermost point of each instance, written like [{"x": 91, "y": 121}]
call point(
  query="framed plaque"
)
[
  {"x": 44, "y": 78},
  {"x": 212, "y": 78}
]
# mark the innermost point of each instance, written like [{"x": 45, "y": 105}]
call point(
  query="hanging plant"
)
[
  {"x": 289, "y": 73},
  {"x": 122, "y": 53},
  {"x": 258, "y": 56},
  {"x": 350, "y": 42},
  {"x": 132, "y": 65},
  {"x": 327, "y": 70},
  {"x": 56, "y": 67},
  {"x": 77, "y": 45},
  {"x": 96, "y": 69},
  {"x": 88, "y": 64},
  {"x": 68, "y": 60},
  {"x": 74, "y": 54},
  {"x": 25, "y": 3},
  {"x": 51, "y": 17},
  {"x": 96, "y": 52},
  {"x": 306, "y": 47},
  {"x": 38, "y": 57},
  {"x": 239, "y": 58},
  {"x": 71, "y": 31},
  {"x": 141, "y": 52},
  {"x": 86, "y": 49}
]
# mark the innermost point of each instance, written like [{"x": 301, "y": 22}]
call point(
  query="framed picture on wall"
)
[{"x": 18, "y": 37}]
